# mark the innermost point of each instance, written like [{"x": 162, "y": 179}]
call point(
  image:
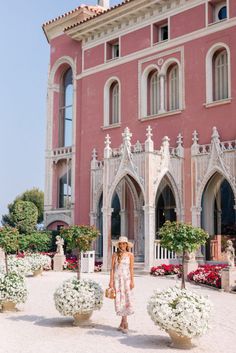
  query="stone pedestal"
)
[
  {"x": 189, "y": 266},
  {"x": 228, "y": 279},
  {"x": 58, "y": 262}
]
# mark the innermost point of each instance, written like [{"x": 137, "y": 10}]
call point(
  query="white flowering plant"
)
[
  {"x": 19, "y": 265},
  {"x": 183, "y": 311},
  {"x": 12, "y": 288},
  {"x": 38, "y": 261},
  {"x": 78, "y": 296}
]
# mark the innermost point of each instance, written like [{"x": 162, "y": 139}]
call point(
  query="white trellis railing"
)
[{"x": 161, "y": 254}]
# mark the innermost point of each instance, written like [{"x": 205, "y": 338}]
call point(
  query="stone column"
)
[
  {"x": 106, "y": 210},
  {"x": 107, "y": 238},
  {"x": 162, "y": 94},
  {"x": 149, "y": 209},
  {"x": 149, "y": 224}
]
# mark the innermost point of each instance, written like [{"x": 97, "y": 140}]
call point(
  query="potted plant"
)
[
  {"x": 180, "y": 312},
  {"x": 12, "y": 284},
  {"x": 38, "y": 262},
  {"x": 79, "y": 297}
]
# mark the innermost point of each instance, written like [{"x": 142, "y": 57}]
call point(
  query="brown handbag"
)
[{"x": 110, "y": 293}]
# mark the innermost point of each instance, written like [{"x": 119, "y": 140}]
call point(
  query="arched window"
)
[
  {"x": 66, "y": 109},
  {"x": 173, "y": 85},
  {"x": 220, "y": 75},
  {"x": 153, "y": 93},
  {"x": 114, "y": 103}
]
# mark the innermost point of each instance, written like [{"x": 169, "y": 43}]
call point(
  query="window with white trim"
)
[
  {"x": 154, "y": 93},
  {"x": 114, "y": 103},
  {"x": 66, "y": 109},
  {"x": 220, "y": 75},
  {"x": 173, "y": 85}
]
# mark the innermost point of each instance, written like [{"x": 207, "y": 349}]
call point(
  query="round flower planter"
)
[
  {"x": 8, "y": 305},
  {"x": 179, "y": 342},
  {"x": 37, "y": 272},
  {"x": 78, "y": 298},
  {"x": 82, "y": 319}
]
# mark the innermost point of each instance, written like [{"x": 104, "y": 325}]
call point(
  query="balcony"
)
[{"x": 61, "y": 153}]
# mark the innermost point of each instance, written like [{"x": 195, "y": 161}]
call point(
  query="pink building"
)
[{"x": 155, "y": 81}]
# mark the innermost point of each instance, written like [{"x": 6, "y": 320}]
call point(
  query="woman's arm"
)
[
  {"x": 131, "y": 271},
  {"x": 111, "y": 283}
]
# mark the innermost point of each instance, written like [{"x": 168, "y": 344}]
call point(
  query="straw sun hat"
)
[{"x": 123, "y": 239}]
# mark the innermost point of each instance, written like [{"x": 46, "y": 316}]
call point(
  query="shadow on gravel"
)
[
  {"x": 146, "y": 341},
  {"x": 42, "y": 321}
]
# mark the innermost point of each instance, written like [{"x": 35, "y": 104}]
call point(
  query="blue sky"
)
[{"x": 24, "y": 62}]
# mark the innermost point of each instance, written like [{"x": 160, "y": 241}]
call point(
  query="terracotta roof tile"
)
[
  {"x": 98, "y": 14},
  {"x": 96, "y": 9}
]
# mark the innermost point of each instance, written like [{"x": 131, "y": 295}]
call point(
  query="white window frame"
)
[
  {"x": 154, "y": 93},
  {"x": 106, "y": 102},
  {"x": 221, "y": 76},
  {"x": 160, "y": 32},
  {"x": 174, "y": 99},
  {"x": 209, "y": 71},
  {"x": 216, "y": 10}
]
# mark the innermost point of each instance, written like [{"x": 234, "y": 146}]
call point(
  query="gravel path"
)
[{"x": 38, "y": 328}]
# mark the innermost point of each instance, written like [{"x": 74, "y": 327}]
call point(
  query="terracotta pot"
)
[
  {"x": 82, "y": 319},
  {"x": 38, "y": 272},
  {"x": 180, "y": 342},
  {"x": 8, "y": 305}
]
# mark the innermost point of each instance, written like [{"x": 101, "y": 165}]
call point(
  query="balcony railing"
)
[{"x": 161, "y": 254}]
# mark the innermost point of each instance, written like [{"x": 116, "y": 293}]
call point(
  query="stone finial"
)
[
  {"x": 107, "y": 149},
  {"x": 195, "y": 146},
  {"x": 149, "y": 132},
  {"x": 179, "y": 148},
  {"x": 149, "y": 146},
  {"x": 127, "y": 137},
  {"x": 195, "y": 137},
  {"x": 94, "y": 154}
]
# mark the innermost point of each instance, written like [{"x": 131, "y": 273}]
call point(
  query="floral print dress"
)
[{"x": 124, "y": 295}]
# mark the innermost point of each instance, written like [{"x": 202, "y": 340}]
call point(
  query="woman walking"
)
[{"x": 122, "y": 280}]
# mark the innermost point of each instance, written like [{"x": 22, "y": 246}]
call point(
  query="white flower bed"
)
[
  {"x": 38, "y": 261},
  {"x": 78, "y": 296},
  {"x": 185, "y": 312},
  {"x": 12, "y": 288},
  {"x": 18, "y": 265}
]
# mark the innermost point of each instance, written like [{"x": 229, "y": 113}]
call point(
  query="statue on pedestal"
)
[
  {"x": 230, "y": 253},
  {"x": 59, "y": 244}
]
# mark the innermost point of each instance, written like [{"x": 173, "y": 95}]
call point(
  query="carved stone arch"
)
[
  {"x": 176, "y": 192},
  {"x": 143, "y": 88},
  {"x": 58, "y": 218},
  {"x": 58, "y": 65},
  {"x": 167, "y": 64},
  {"x": 206, "y": 179},
  {"x": 118, "y": 179}
]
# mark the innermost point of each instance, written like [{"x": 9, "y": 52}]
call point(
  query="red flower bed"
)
[
  {"x": 164, "y": 270},
  {"x": 207, "y": 274},
  {"x": 71, "y": 263}
]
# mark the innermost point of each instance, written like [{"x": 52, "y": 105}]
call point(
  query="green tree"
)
[
  {"x": 80, "y": 238},
  {"x": 33, "y": 195},
  {"x": 35, "y": 242},
  {"x": 9, "y": 238},
  {"x": 182, "y": 238},
  {"x": 24, "y": 216}
]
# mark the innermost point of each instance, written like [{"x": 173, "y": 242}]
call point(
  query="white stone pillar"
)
[
  {"x": 149, "y": 209},
  {"x": 106, "y": 210},
  {"x": 162, "y": 94}
]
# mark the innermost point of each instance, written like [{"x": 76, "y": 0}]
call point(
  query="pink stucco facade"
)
[{"x": 190, "y": 39}]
